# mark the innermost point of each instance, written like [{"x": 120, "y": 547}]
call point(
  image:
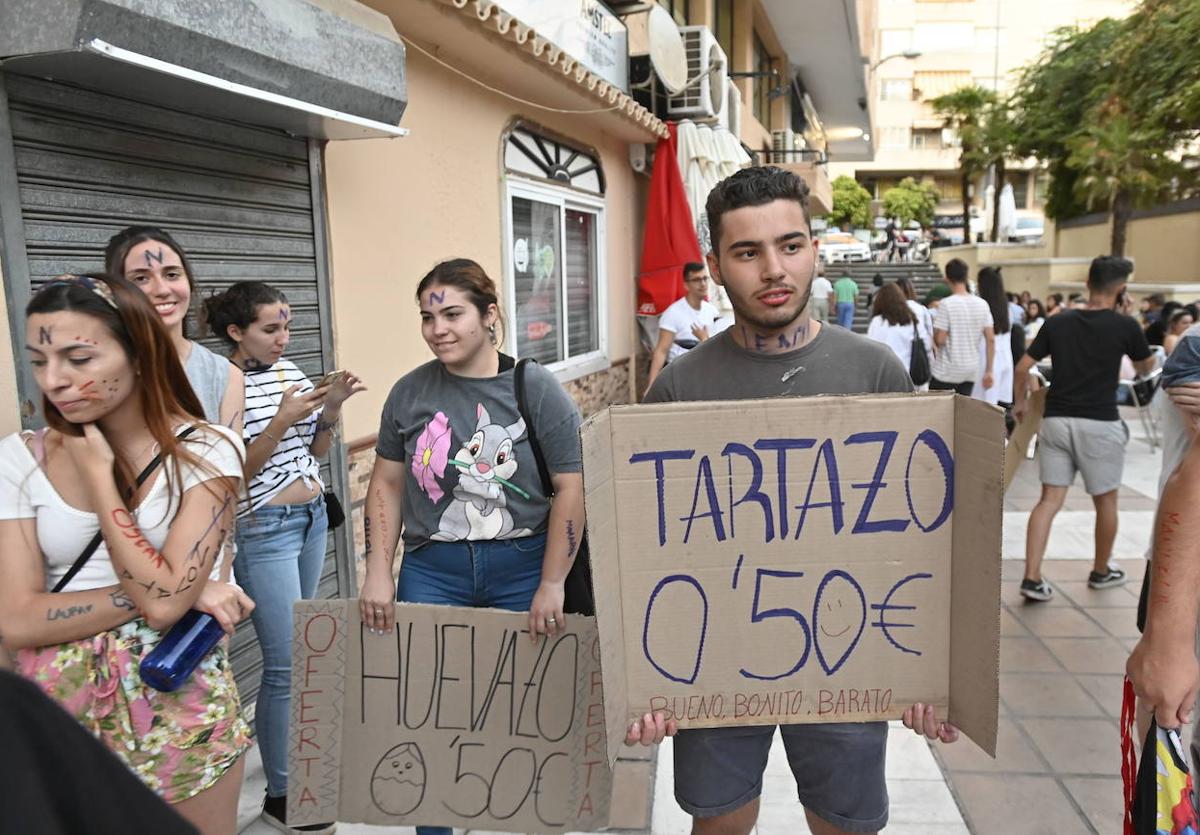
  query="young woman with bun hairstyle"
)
[
  {"x": 282, "y": 522},
  {"x": 153, "y": 260},
  {"x": 455, "y": 475},
  {"x": 82, "y": 611}
]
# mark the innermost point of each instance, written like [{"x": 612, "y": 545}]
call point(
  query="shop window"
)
[{"x": 554, "y": 246}]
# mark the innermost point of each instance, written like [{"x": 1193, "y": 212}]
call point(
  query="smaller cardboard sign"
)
[
  {"x": 795, "y": 560},
  {"x": 455, "y": 718}
]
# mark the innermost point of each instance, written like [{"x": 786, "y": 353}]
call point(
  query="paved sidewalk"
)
[{"x": 1061, "y": 669}]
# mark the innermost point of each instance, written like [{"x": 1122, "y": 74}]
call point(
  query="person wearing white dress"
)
[
  {"x": 991, "y": 290},
  {"x": 895, "y": 324}
]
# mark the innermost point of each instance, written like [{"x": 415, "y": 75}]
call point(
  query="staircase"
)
[{"x": 924, "y": 277}]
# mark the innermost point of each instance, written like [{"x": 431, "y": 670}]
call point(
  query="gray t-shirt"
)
[
  {"x": 433, "y": 419},
  {"x": 837, "y": 361},
  {"x": 209, "y": 375}
]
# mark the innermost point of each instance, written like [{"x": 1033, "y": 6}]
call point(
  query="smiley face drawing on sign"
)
[{"x": 398, "y": 781}]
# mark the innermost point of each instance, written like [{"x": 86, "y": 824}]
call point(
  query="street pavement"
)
[{"x": 1058, "y": 766}]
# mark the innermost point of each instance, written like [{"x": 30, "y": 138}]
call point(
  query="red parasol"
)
[{"x": 670, "y": 239}]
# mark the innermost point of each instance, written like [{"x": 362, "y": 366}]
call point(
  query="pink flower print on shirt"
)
[{"x": 430, "y": 457}]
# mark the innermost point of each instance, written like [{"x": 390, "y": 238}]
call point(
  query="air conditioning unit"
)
[
  {"x": 705, "y": 99},
  {"x": 783, "y": 145},
  {"x": 732, "y": 117}
]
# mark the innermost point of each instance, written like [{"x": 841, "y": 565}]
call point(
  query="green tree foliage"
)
[
  {"x": 1112, "y": 110},
  {"x": 851, "y": 203},
  {"x": 910, "y": 200},
  {"x": 1054, "y": 96},
  {"x": 965, "y": 111}
]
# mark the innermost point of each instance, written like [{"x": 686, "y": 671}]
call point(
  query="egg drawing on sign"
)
[
  {"x": 521, "y": 254},
  {"x": 398, "y": 781}
]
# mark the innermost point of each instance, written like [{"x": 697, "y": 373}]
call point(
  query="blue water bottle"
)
[{"x": 184, "y": 646}]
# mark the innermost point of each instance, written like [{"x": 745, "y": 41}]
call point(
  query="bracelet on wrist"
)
[{"x": 267, "y": 432}]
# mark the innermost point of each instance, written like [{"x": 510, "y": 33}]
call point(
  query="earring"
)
[{"x": 492, "y": 333}]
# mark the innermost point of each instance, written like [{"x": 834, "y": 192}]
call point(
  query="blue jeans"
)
[
  {"x": 281, "y": 551},
  {"x": 491, "y": 573},
  {"x": 845, "y": 314}
]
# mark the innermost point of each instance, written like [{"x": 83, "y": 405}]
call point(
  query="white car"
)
[
  {"x": 1030, "y": 229},
  {"x": 840, "y": 247}
]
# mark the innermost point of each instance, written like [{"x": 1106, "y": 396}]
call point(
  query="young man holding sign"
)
[{"x": 765, "y": 257}]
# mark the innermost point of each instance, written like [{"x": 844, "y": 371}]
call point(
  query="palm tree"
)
[
  {"x": 1121, "y": 163},
  {"x": 964, "y": 111}
]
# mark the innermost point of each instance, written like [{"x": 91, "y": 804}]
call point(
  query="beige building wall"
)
[
  {"x": 397, "y": 207},
  {"x": 1165, "y": 249}
]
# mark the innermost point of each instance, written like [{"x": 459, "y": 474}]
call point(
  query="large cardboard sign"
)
[
  {"x": 821, "y": 559},
  {"x": 455, "y": 718}
]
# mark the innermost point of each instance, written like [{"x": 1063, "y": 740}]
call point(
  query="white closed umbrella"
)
[{"x": 1008, "y": 212}]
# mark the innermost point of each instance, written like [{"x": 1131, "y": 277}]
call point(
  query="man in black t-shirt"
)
[{"x": 1082, "y": 431}]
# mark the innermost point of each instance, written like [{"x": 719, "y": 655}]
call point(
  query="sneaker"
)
[
  {"x": 1038, "y": 590},
  {"x": 274, "y": 813},
  {"x": 1114, "y": 576}
]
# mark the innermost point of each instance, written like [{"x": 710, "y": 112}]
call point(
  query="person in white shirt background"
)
[
  {"x": 895, "y": 324},
  {"x": 820, "y": 292},
  {"x": 1000, "y": 392},
  {"x": 686, "y": 323},
  {"x": 957, "y": 325}
]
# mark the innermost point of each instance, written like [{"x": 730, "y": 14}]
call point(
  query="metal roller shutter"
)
[{"x": 243, "y": 201}]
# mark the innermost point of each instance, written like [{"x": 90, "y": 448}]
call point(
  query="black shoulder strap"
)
[
  {"x": 90, "y": 548},
  {"x": 530, "y": 432}
]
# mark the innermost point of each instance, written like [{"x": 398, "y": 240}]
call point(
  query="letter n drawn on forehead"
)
[
  {"x": 436, "y": 297},
  {"x": 44, "y": 337},
  {"x": 154, "y": 256}
]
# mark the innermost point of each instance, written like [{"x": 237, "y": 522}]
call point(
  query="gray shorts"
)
[
  {"x": 1094, "y": 448},
  {"x": 839, "y": 770}
]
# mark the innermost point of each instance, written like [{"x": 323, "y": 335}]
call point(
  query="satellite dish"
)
[{"x": 653, "y": 33}]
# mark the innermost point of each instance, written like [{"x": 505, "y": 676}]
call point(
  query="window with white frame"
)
[
  {"x": 554, "y": 245},
  {"x": 896, "y": 89},
  {"x": 893, "y": 137}
]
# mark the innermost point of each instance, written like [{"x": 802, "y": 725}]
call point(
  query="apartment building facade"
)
[{"x": 925, "y": 48}]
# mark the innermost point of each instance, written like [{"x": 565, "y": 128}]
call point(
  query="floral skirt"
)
[{"x": 178, "y": 743}]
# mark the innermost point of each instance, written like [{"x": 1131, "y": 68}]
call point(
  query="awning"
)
[{"x": 329, "y": 69}]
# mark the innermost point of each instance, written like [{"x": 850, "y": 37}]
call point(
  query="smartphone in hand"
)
[{"x": 330, "y": 378}]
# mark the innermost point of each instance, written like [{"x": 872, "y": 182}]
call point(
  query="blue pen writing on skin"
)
[{"x": 437, "y": 298}]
